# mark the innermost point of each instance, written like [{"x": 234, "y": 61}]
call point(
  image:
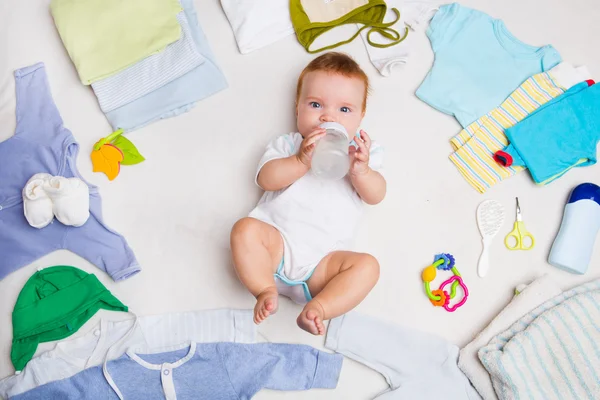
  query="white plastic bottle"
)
[
  {"x": 573, "y": 247},
  {"x": 330, "y": 159}
]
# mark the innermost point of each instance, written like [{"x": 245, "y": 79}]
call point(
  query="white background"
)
[{"x": 177, "y": 208}]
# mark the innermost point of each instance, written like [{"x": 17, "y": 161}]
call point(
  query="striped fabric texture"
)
[
  {"x": 206, "y": 326},
  {"x": 553, "y": 352},
  {"x": 476, "y": 144},
  {"x": 151, "y": 73}
]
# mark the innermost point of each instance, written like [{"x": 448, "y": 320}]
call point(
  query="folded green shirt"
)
[{"x": 103, "y": 37}]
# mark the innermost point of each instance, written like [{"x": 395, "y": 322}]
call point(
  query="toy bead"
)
[
  {"x": 447, "y": 261},
  {"x": 429, "y": 274},
  {"x": 443, "y": 301},
  {"x": 428, "y": 291},
  {"x": 451, "y": 261}
]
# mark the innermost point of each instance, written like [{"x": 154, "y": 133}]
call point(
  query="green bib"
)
[{"x": 312, "y": 18}]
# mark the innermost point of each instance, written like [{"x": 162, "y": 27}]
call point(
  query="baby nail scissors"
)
[{"x": 519, "y": 233}]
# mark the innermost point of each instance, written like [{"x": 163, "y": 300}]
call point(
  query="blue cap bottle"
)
[{"x": 573, "y": 247}]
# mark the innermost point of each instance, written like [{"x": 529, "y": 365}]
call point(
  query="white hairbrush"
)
[{"x": 490, "y": 217}]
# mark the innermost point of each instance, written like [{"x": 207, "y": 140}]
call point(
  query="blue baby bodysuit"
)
[
  {"x": 225, "y": 371},
  {"x": 558, "y": 136},
  {"x": 41, "y": 143},
  {"x": 478, "y": 63}
]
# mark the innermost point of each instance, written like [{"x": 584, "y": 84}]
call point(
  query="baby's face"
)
[{"x": 330, "y": 97}]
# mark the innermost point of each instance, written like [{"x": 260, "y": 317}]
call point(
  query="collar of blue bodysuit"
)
[{"x": 134, "y": 354}]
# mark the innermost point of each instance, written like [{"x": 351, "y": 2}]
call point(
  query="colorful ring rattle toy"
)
[{"x": 440, "y": 297}]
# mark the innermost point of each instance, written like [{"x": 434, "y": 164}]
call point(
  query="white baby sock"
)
[
  {"x": 71, "y": 199},
  {"x": 413, "y": 14},
  {"x": 37, "y": 206}
]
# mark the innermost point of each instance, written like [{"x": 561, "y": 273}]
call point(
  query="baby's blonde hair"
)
[{"x": 336, "y": 63}]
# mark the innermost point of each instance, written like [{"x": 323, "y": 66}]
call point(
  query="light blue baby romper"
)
[
  {"x": 42, "y": 144},
  {"x": 478, "y": 63},
  {"x": 207, "y": 371}
]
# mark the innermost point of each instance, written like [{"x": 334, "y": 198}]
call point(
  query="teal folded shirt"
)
[
  {"x": 558, "y": 136},
  {"x": 478, "y": 63}
]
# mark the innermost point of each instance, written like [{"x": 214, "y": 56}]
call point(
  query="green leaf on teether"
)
[{"x": 131, "y": 155}]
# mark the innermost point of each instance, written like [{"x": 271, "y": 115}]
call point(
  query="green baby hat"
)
[
  {"x": 54, "y": 303},
  {"x": 312, "y": 18}
]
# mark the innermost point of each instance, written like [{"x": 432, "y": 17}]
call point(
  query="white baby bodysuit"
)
[
  {"x": 413, "y": 14},
  {"x": 313, "y": 215},
  {"x": 257, "y": 24},
  {"x": 416, "y": 365}
]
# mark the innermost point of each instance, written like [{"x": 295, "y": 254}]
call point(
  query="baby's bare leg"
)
[
  {"x": 340, "y": 282},
  {"x": 257, "y": 250}
]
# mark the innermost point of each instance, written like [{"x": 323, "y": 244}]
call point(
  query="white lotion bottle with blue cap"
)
[
  {"x": 573, "y": 247},
  {"x": 330, "y": 159}
]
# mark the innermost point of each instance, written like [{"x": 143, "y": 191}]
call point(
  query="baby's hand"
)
[
  {"x": 308, "y": 146},
  {"x": 360, "y": 157}
]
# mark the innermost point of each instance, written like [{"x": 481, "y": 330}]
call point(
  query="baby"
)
[{"x": 295, "y": 242}]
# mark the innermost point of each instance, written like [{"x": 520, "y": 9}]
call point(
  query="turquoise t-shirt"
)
[
  {"x": 478, "y": 63},
  {"x": 560, "y": 135}
]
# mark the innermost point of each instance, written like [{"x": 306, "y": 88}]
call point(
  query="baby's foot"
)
[
  {"x": 311, "y": 318},
  {"x": 266, "y": 304}
]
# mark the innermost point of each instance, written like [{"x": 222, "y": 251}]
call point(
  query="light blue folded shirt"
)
[
  {"x": 226, "y": 371},
  {"x": 179, "y": 95},
  {"x": 478, "y": 63}
]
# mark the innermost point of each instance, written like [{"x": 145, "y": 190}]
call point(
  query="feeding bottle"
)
[{"x": 330, "y": 159}]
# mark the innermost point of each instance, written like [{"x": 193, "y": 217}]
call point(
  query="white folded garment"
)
[
  {"x": 413, "y": 14},
  {"x": 416, "y": 365},
  {"x": 534, "y": 294},
  {"x": 257, "y": 24},
  {"x": 550, "y": 353}
]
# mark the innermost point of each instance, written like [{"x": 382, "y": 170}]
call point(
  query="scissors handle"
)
[
  {"x": 513, "y": 234},
  {"x": 519, "y": 233},
  {"x": 525, "y": 234}
]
